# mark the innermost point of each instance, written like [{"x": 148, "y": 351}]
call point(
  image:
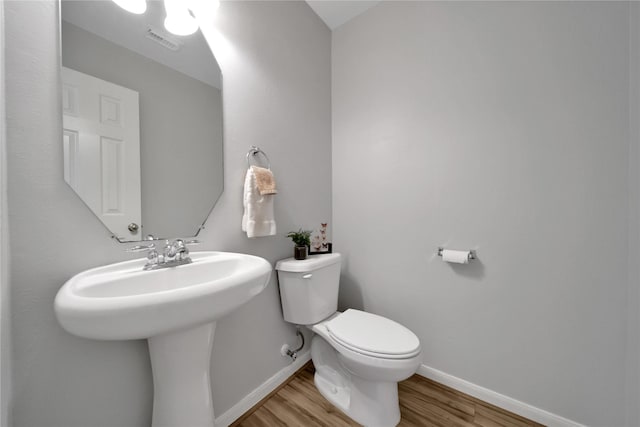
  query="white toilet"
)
[{"x": 359, "y": 357}]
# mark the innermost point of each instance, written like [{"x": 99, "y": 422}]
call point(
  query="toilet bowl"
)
[{"x": 359, "y": 357}]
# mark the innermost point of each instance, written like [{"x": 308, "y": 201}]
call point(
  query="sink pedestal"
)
[{"x": 181, "y": 363}]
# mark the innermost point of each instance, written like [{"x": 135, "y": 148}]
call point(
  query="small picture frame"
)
[
  {"x": 319, "y": 241},
  {"x": 323, "y": 250}
]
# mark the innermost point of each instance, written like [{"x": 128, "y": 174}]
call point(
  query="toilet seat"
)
[{"x": 373, "y": 335}]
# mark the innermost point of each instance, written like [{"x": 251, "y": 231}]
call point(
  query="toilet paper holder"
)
[{"x": 472, "y": 253}]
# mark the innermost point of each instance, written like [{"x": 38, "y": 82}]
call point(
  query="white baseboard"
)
[
  {"x": 520, "y": 408},
  {"x": 263, "y": 390}
]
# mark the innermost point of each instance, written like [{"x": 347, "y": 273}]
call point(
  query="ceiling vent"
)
[{"x": 163, "y": 39}]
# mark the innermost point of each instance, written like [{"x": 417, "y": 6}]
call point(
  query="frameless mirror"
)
[{"x": 142, "y": 120}]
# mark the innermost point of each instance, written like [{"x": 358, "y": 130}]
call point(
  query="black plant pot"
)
[{"x": 300, "y": 252}]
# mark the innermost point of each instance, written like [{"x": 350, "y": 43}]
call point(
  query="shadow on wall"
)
[
  {"x": 350, "y": 295},
  {"x": 474, "y": 270}
]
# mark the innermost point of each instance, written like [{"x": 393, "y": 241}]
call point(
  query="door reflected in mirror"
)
[{"x": 142, "y": 120}]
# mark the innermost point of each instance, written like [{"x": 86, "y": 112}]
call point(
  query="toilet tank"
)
[{"x": 309, "y": 288}]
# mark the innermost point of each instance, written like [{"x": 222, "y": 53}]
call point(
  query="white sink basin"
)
[
  {"x": 176, "y": 309},
  {"x": 121, "y": 301}
]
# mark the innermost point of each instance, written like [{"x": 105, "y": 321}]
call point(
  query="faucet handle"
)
[
  {"x": 177, "y": 245},
  {"x": 192, "y": 242},
  {"x": 141, "y": 248}
]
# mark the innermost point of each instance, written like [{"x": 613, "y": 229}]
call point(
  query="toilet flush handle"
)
[{"x": 307, "y": 276}]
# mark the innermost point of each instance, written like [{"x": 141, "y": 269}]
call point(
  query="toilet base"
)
[{"x": 370, "y": 403}]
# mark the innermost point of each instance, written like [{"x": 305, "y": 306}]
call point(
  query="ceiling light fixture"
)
[
  {"x": 212, "y": 5},
  {"x": 134, "y": 6},
  {"x": 179, "y": 20}
]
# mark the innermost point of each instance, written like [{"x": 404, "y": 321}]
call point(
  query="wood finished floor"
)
[{"x": 422, "y": 403}]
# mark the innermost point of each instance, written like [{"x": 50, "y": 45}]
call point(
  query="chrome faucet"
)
[
  {"x": 177, "y": 249},
  {"x": 174, "y": 253}
]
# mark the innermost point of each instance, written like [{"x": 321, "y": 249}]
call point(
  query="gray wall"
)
[
  {"x": 5, "y": 338},
  {"x": 502, "y": 127},
  {"x": 275, "y": 58},
  {"x": 633, "y": 312},
  {"x": 180, "y": 131}
]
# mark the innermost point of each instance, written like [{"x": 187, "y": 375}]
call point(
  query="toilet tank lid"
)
[{"x": 313, "y": 262}]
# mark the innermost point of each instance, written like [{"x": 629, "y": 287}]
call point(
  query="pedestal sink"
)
[{"x": 174, "y": 308}]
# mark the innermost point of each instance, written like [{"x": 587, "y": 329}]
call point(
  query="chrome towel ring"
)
[{"x": 253, "y": 153}]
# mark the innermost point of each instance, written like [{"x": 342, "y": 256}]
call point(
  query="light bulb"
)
[
  {"x": 179, "y": 21},
  {"x": 208, "y": 6},
  {"x": 134, "y": 6}
]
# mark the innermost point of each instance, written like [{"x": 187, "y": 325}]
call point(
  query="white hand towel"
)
[{"x": 258, "y": 219}]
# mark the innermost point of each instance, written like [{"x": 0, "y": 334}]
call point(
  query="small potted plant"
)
[{"x": 301, "y": 239}]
